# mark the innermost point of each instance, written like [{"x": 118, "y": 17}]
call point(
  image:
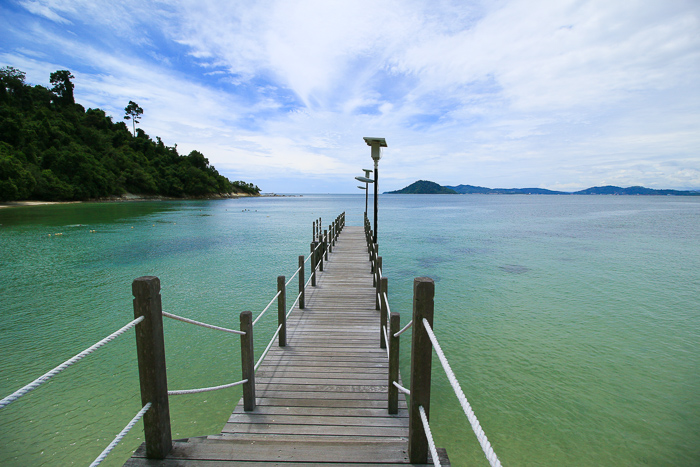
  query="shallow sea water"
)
[{"x": 572, "y": 322}]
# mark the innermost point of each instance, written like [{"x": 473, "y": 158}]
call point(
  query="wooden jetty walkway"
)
[{"x": 322, "y": 398}]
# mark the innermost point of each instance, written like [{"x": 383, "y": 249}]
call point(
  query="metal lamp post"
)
[
  {"x": 367, "y": 181},
  {"x": 375, "y": 144}
]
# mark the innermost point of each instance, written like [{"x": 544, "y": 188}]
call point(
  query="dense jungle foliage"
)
[{"x": 53, "y": 149}]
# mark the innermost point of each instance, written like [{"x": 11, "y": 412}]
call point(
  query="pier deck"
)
[{"x": 323, "y": 397}]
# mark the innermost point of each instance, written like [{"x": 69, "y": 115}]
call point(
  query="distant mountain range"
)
[{"x": 425, "y": 187}]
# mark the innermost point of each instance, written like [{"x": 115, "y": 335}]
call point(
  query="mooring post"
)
[
  {"x": 421, "y": 362},
  {"x": 248, "y": 361},
  {"x": 383, "y": 307},
  {"x": 282, "y": 310},
  {"x": 150, "y": 348},
  {"x": 376, "y": 280},
  {"x": 394, "y": 327},
  {"x": 301, "y": 282}
]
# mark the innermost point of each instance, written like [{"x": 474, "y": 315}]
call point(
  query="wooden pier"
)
[{"x": 321, "y": 398}]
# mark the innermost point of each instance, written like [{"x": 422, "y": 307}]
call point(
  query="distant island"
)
[
  {"x": 424, "y": 187},
  {"x": 52, "y": 149}
]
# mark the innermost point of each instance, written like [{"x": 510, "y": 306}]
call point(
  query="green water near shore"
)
[{"x": 572, "y": 323}]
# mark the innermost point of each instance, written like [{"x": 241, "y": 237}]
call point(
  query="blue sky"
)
[{"x": 555, "y": 94}]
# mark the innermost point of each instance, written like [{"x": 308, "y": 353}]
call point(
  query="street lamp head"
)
[
  {"x": 367, "y": 172},
  {"x": 364, "y": 179},
  {"x": 375, "y": 143},
  {"x": 362, "y": 187}
]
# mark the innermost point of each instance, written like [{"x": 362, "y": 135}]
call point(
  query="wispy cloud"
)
[{"x": 513, "y": 93}]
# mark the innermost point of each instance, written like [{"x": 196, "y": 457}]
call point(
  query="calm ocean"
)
[{"x": 572, "y": 322}]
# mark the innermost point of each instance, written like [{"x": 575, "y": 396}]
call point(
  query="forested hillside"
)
[{"x": 53, "y": 149}]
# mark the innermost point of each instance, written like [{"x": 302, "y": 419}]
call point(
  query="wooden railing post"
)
[
  {"x": 248, "y": 361},
  {"x": 314, "y": 262},
  {"x": 421, "y": 362},
  {"x": 150, "y": 348},
  {"x": 330, "y": 238},
  {"x": 394, "y": 327},
  {"x": 301, "y": 282},
  {"x": 377, "y": 282},
  {"x": 319, "y": 254},
  {"x": 325, "y": 243},
  {"x": 282, "y": 310},
  {"x": 383, "y": 321}
]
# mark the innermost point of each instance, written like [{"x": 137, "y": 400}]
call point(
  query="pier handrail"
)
[
  {"x": 47, "y": 376},
  {"x": 466, "y": 407},
  {"x": 421, "y": 440},
  {"x": 199, "y": 323},
  {"x": 121, "y": 435}
]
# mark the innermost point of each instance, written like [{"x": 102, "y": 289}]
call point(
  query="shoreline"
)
[{"x": 129, "y": 198}]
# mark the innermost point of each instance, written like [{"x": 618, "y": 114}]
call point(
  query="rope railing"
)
[
  {"x": 120, "y": 436},
  {"x": 429, "y": 435},
  {"x": 293, "y": 305},
  {"x": 213, "y": 388},
  {"x": 404, "y": 329},
  {"x": 386, "y": 339},
  {"x": 267, "y": 349},
  {"x": 291, "y": 278},
  {"x": 401, "y": 388},
  {"x": 476, "y": 426},
  {"x": 199, "y": 323},
  {"x": 267, "y": 307},
  {"x": 47, "y": 376}
]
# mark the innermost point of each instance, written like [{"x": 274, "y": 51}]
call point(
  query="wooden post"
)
[
  {"x": 383, "y": 321},
  {"x": 421, "y": 361},
  {"x": 325, "y": 243},
  {"x": 313, "y": 263},
  {"x": 330, "y": 238},
  {"x": 150, "y": 348},
  {"x": 377, "y": 282},
  {"x": 282, "y": 310},
  {"x": 319, "y": 254},
  {"x": 394, "y": 327},
  {"x": 301, "y": 282},
  {"x": 248, "y": 361}
]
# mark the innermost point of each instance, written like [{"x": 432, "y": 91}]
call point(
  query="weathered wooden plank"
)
[{"x": 323, "y": 411}]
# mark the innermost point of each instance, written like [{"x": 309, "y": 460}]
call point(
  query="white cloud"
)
[{"x": 517, "y": 93}]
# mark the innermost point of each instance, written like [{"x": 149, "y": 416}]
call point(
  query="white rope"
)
[
  {"x": 386, "y": 300},
  {"x": 476, "y": 426},
  {"x": 267, "y": 349},
  {"x": 293, "y": 305},
  {"x": 213, "y": 388},
  {"x": 120, "y": 436},
  {"x": 429, "y": 436},
  {"x": 267, "y": 307},
  {"x": 44, "y": 378},
  {"x": 401, "y": 388},
  {"x": 204, "y": 325},
  {"x": 309, "y": 281},
  {"x": 295, "y": 275},
  {"x": 386, "y": 340},
  {"x": 410, "y": 323}
]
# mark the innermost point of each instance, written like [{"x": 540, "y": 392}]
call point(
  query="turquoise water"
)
[{"x": 571, "y": 322}]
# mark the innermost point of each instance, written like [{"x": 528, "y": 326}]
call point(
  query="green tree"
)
[
  {"x": 133, "y": 112},
  {"x": 11, "y": 81},
  {"x": 63, "y": 86}
]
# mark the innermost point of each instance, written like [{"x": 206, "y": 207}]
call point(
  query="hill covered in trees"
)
[
  {"x": 427, "y": 188},
  {"x": 424, "y": 187},
  {"x": 53, "y": 149}
]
